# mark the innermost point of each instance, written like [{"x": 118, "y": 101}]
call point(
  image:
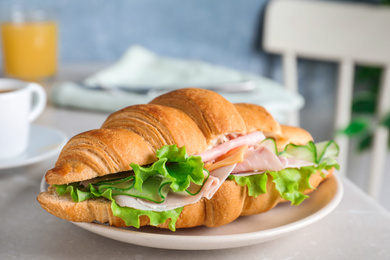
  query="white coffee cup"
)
[{"x": 20, "y": 104}]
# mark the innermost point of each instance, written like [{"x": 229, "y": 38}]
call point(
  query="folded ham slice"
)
[
  {"x": 249, "y": 140},
  {"x": 259, "y": 160}
]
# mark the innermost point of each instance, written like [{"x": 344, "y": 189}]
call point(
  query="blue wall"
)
[{"x": 221, "y": 32}]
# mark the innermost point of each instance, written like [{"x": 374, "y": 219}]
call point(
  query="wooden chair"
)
[{"x": 348, "y": 33}]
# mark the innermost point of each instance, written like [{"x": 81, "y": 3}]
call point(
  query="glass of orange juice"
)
[{"x": 29, "y": 44}]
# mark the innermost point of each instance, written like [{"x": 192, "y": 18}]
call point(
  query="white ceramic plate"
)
[
  {"x": 44, "y": 142},
  {"x": 245, "y": 231}
]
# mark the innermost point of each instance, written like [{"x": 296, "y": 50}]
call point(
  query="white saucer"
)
[{"x": 44, "y": 143}]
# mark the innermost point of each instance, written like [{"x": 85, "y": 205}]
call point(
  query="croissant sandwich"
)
[{"x": 186, "y": 159}]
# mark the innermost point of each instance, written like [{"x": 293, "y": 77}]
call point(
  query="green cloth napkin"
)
[{"x": 139, "y": 67}]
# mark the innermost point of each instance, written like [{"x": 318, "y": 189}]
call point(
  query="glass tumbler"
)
[{"x": 29, "y": 44}]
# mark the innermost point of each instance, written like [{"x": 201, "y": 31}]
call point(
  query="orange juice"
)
[{"x": 29, "y": 49}]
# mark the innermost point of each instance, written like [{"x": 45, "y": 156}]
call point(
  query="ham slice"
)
[
  {"x": 249, "y": 140},
  {"x": 179, "y": 199},
  {"x": 294, "y": 163},
  {"x": 259, "y": 160}
]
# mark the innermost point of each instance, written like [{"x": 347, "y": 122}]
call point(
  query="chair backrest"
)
[{"x": 348, "y": 33}]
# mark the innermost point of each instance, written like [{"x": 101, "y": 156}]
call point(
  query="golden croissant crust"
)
[{"x": 160, "y": 125}]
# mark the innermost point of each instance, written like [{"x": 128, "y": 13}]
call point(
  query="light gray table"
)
[{"x": 358, "y": 229}]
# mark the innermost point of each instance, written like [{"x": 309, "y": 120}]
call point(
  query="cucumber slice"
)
[
  {"x": 270, "y": 144},
  {"x": 311, "y": 152},
  {"x": 154, "y": 189},
  {"x": 306, "y": 152},
  {"x": 327, "y": 149}
]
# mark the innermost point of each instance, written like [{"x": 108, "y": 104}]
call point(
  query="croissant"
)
[{"x": 196, "y": 119}]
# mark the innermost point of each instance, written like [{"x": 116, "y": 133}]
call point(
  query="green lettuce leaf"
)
[
  {"x": 292, "y": 182},
  {"x": 257, "y": 184},
  {"x": 175, "y": 165},
  {"x": 129, "y": 215},
  {"x": 174, "y": 171},
  {"x": 155, "y": 188},
  {"x": 77, "y": 192}
]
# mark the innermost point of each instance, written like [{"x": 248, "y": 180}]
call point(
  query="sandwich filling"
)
[{"x": 160, "y": 190}]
